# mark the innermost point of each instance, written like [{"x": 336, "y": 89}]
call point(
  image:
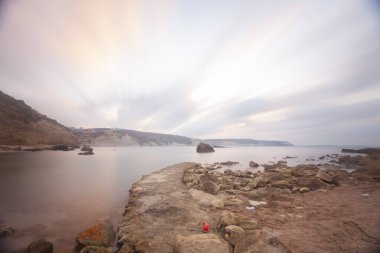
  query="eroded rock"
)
[
  {"x": 227, "y": 218},
  {"x": 101, "y": 234}
]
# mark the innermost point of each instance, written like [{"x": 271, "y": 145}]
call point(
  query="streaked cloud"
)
[{"x": 303, "y": 71}]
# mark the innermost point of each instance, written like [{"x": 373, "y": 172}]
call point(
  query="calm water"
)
[{"x": 55, "y": 195}]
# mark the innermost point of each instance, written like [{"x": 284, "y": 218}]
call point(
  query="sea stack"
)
[{"x": 204, "y": 148}]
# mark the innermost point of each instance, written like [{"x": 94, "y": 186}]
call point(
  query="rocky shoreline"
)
[
  {"x": 272, "y": 208},
  {"x": 282, "y": 209}
]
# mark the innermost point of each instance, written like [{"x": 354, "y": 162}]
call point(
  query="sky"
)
[{"x": 303, "y": 71}]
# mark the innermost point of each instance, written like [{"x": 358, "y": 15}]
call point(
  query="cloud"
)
[{"x": 306, "y": 72}]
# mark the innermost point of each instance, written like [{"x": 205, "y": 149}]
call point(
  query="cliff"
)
[{"x": 22, "y": 125}]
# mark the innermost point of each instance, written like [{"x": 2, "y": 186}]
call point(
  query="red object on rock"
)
[{"x": 205, "y": 227}]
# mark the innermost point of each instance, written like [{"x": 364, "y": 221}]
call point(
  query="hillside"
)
[
  {"x": 123, "y": 137},
  {"x": 246, "y": 142},
  {"x": 22, "y": 125}
]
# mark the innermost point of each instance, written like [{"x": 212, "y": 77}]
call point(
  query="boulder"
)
[
  {"x": 204, "y": 148},
  {"x": 210, "y": 187},
  {"x": 233, "y": 233},
  {"x": 253, "y": 164},
  {"x": 304, "y": 189},
  {"x": 6, "y": 231},
  {"x": 39, "y": 246},
  {"x": 298, "y": 172},
  {"x": 324, "y": 176},
  {"x": 282, "y": 184},
  {"x": 101, "y": 234},
  {"x": 96, "y": 249},
  {"x": 227, "y": 218},
  {"x": 200, "y": 243}
]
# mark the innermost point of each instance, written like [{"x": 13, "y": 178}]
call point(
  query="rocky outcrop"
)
[
  {"x": 22, "y": 125},
  {"x": 204, "y": 148},
  {"x": 163, "y": 216},
  {"x": 87, "y": 150},
  {"x": 39, "y": 246},
  {"x": 278, "y": 210},
  {"x": 101, "y": 234}
]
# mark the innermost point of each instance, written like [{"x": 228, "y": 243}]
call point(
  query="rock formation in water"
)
[
  {"x": 22, "y": 125},
  {"x": 204, "y": 148}
]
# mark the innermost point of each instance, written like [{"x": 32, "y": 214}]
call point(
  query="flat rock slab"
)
[{"x": 162, "y": 216}]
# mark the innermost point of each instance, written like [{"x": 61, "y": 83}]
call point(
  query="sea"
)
[{"x": 56, "y": 194}]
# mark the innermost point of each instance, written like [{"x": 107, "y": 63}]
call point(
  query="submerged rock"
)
[
  {"x": 101, "y": 234},
  {"x": 204, "y": 148},
  {"x": 39, "y": 246},
  {"x": 6, "y": 231}
]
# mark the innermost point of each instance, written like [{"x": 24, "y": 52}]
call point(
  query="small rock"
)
[
  {"x": 101, "y": 234},
  {"x": 257, "y": 203},
  {"x": 324, "y": 176},
  {"x": 253, "y": 164},
  {"x": 227, "y": 218},
  {"x": 210, "y": 187},
  {"x": 304, "y": 189},
  {"x": 204, "y": 148},
  {"x": 39, "y": 246},
  {"x": 235, "y": 233},
  {"x": 282, "y": 184},
  {"x": 260, "y": 181}
]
